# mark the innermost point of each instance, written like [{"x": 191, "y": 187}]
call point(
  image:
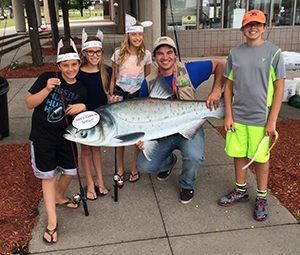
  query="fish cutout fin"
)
[
  {"x": 161, "y": 89},
  {"x": 150, "y": 149},
  {"x": 130, "y": 137},
  {"x": 189, "y": 131}
]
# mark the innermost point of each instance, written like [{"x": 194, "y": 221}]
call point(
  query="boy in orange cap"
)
[{"x": 255, "y": 75}]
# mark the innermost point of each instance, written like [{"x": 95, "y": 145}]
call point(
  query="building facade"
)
[{"x": 212, "y": 27}]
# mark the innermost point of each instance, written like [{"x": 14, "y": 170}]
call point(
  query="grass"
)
[
  {"x": 73, "y": 15},
  {"x": 7, "y": 23}
]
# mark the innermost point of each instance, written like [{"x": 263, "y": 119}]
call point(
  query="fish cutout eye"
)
[{"x": 83, "y": 134}]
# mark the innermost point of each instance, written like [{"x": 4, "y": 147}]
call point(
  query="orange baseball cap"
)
[{"x": 254, "y": 15}]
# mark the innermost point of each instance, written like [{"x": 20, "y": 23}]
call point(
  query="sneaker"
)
[
  {"x": 234, "y": 196},
  {"x": 186, "y": 195},
  {"x": 261, "y": 208},
  {"x": 166, "y": 174}
]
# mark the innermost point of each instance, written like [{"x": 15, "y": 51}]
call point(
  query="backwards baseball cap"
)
[
  {"x": 164, "y": 40},
  {"x": 254, "y": 15}
]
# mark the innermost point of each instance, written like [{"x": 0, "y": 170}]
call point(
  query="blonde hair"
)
[
  {"x": 125, "y": 52},
  {"x": 101, "y": 66}
]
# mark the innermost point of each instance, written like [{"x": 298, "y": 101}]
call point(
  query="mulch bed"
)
[
  {"x": 20, "y": 193},
  {"x": 76, "y": 41},
  {"x": 27, "y": 71},
  {"x": 49, "y": 51},
  {"x": 45, "y": 51},
  {"x": 284, "y": 177}
]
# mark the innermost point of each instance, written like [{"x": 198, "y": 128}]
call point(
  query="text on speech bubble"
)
[{"x": 86, "y": 120}]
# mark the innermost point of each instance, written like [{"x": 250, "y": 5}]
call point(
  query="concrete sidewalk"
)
[{"x": 148, "y": 218}]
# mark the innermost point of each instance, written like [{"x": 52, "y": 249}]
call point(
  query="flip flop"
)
[
  {"x": 93, "y": 193},
  {"x": 133, "y": 175},
  {"x": 65, "y": 205},
  {"x": 50, "y": 233},
  {"x": 97, "y": 189}
]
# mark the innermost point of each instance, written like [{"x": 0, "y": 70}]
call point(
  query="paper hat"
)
[
  {"x": 254, "y": 15},
  {"x": 130, "y": 25},
  {"x": 89, "y": 44},
  {"x": 67, "y": 56}
]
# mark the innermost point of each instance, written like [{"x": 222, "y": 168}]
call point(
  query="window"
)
[
  {"x": 234, "y": 12},
  {"x": 283, "y": 12},
  {"x": 297, "y": 16},
  {"x": 210, "y": 14},
  {"x": 184, "y": 13}
]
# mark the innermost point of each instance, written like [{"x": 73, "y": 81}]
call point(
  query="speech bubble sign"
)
[{"x": 86, "y": 120}]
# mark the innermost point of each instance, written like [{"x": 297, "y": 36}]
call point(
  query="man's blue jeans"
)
[{"x": 192, "y": 157}]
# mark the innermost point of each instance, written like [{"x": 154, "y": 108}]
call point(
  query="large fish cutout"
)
[{"x": 146, "y": 119}]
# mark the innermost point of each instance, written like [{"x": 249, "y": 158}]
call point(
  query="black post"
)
[{"x": 175, "y": 32}]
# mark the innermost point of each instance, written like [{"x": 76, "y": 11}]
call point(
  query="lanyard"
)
[{"x": 173, "y": 80}]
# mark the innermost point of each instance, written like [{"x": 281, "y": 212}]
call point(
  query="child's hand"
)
[
  {"x": 75, "y": 109},
  {"x": 229, "y": 125},
  {"x": 51, "y": 83},
  {"x": 270, "y": 128},
  {"x": 140, "y": 144},
  {"x": 114, "y": 99}
]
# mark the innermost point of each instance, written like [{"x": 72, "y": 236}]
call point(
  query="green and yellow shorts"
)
[{"x": 244, "y": 142}]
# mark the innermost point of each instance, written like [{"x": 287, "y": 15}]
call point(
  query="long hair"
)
[
  {"x": 101, "y": 66},
  {"x": 125, "y": 52}
]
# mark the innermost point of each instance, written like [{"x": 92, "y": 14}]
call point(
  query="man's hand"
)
[{"x": 212, "y": 101}]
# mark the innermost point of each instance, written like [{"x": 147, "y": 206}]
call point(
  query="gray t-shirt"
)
[{"x": 253, "y": 71}]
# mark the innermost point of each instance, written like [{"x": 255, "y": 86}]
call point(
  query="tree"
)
[
  {"x": 65, "y": 11},
  {"x": 36, "y": 51},
  {"x": 53, "y": 21}
]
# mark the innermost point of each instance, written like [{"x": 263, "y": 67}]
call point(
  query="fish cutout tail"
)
[
  {"x": 161, "y": 89},
  {"x": 150, "y": 149}
]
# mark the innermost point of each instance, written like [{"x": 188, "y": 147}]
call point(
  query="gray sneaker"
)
[
  {"x": 261, "y": 208},
  {"x": 234, "y": 196}
]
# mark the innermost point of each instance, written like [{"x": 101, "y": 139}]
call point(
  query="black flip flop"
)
[
  {"x": 133, "y": 175},
  {"x": 50, "y": 233}
]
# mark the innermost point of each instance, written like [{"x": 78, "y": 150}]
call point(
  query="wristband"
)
[{"x": 108, "y": 101}]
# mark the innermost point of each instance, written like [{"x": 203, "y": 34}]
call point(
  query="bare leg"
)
[
  {"x": 86, "y": 163},
  {"x": 48, "y": 186},
  {"x": 134, "y": 169},
  {"x": 240, "y": 175},
  {"x": 120, "y": 157},
  {"x": 97, "y": 161},
  {"x": 262, "y": 175},
  {"x": 62, "y": 185}
]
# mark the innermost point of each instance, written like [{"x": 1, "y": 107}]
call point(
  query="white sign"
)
[
  {"x": 238, "y": 15},
  {"x": 86, "y": 120},
  {"x": 189, "y": 20}
]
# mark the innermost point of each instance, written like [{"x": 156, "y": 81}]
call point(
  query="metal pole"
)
[{"x": 175, "y": 32}]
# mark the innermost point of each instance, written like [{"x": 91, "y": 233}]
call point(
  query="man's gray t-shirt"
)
[{"x": 253, "y": 71}]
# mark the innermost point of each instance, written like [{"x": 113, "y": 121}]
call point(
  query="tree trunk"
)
[
  {"x": 65, "y": 12},
  {"x": 81, "y": 7},
  {"x": 2, "y": 10},
  {"x": 36, "y": 51},
  {"x": 54, "y": 27}
]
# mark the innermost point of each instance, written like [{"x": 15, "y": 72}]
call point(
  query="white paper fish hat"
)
[
  {"x": 130, "y": 24},
  {"x": 67, "y": 56},
  {"x": 89, "y": 44}
]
